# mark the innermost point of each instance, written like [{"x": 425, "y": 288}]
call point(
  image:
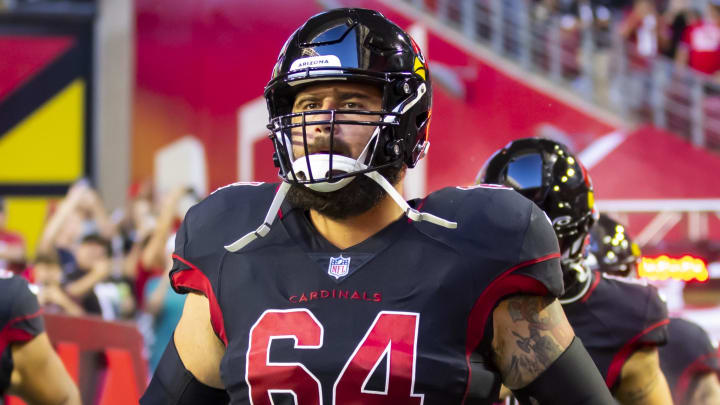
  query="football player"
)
[
  {"x": 347, "y": 293},
  {"x": 611, "y": 250},
  {"x": 691, "y": 365},
  {"x": 621, "y": 322},
  {"x": 29, "y": 366},
  {"x": 690, "y": 359}
]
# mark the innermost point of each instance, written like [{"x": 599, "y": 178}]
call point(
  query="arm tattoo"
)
[{"x": 532, "y": 342}]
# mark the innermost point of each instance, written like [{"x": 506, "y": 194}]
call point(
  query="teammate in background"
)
[
  {"x": 29, "y": 367},
  {"x": 621, "y": 322},
  {"x": 690, "y": 359},
  {"x": 690, "y": 363},
  {"x": 611, "y": 250},
  {"x": 354, "y": 296}
]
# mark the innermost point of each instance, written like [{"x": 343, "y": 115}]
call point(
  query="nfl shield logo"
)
[{"x": 339, "y": 266}]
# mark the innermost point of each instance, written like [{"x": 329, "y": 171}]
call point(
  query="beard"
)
[{"x": 355, "y": 198}]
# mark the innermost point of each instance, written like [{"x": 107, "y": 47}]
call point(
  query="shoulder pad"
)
[{"x": 481, "y": 213}]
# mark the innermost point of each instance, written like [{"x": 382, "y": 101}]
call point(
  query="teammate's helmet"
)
[
  {"x": 356, "y": 45},
  {"x": 548, "y": 174},
  {"x": 613, "y": 249}
]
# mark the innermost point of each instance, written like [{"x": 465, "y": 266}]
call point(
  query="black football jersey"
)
[
  {"x": 392, "y": 320},
  {"x": 688, "y": 353},
  {"x": 615, "y": 318},
  {"x": 20, "y": 320}
]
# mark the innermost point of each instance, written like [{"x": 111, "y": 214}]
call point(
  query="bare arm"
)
[
  {"x": 642, "y": 382},
  {"x": 154, "y": 302},
  {"x": 707, "y": 390},
  {"x": 193, "y": 332},
  {"x": 39, "y": 376},
  {"x": 13, "y": 253},
  {"x": 93, "y": 203},
  {"x": 55, "y": 295},
  {"x": 530, "y": 333},
  {"x": 57, "y": 220},
  {"x": 83, "y": 285},
  {"x": 682, "y": 55},
  {"x": 154, "y": 255}
]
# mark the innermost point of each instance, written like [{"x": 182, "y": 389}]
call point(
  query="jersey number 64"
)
[{"x": 392, "y": 336}]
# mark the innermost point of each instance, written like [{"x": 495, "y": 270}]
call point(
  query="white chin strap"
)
[
  {"x": 320, "y": 168},
  {"x": 410, "y": 212}
]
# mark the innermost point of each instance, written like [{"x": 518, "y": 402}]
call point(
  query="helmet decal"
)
[
  {"x": 315, "y": 61},
  {"x": 419, "y": 68}
]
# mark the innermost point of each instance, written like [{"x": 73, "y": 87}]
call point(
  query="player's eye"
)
[
  {"x": 351, "y": 105},
  {"x": 311, "y": 106}
]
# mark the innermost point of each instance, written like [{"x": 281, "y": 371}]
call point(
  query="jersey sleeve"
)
[
  {"x": 656, "y": 320},
  {"x": 639, "y": 318},
  {"x": 21, "y": 313},
  {"x": 519, "y": 238},
  {"x": 539, "y": 254},
  {"x": 688, "y": 354},
  {"x": 193, "y": 271},
  {"x": 207, "y": 227}
]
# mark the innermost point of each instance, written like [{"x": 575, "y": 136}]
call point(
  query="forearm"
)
[
  {"x": 13, "y": 253},
  {"x": 69, "y": 306},
  {"x": 536, "y": 351},
  {"x": 533, "y": 333},
  {"x": 642, "y": 382},
  {"x": 580, "y": 379},
  {"x": 55, "y": 223},
  {"x": 85, "y": 284},
  {"x": 104, "y": 224}
]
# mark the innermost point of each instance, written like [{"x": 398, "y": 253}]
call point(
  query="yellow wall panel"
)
[{"x": 49, "y": 145}]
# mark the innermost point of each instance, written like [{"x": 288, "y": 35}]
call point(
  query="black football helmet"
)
[
  {"x": 547, "y": 173},
  {"x": 614, "y": 251},
  {"x": 357, "y": 45}
]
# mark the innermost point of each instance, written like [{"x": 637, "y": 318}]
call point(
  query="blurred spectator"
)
[
  {"x": 80, "y": 213},
  {"x": 91, "y": 267},
  {"x": 150, "y": 255},
  {"x": 679, "y": 15},
  {"x": 165, "y": 306},
  {"x": 645, "y": 29},
  {"x": 160, "y": 300},
  {"x": 12, "y": 245},
  {"x": 91, "y": 283},
  {"x": 47, "y": 275},
  {"x": 700, "y": 45}
]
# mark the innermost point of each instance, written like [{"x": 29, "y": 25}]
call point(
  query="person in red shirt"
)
[
  {"x": 700, "y": 45},
  {"x": 12, "y": 245}
]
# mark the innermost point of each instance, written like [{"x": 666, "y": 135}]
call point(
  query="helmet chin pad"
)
[{"x": 319, "y": 167}]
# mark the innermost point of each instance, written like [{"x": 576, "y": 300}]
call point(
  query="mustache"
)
[{"x": 321, "y": 144}]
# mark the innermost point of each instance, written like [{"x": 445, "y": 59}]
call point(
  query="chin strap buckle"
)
[
  {"x": 411, "y": 213},
  {"x": 263, "y": 229}
]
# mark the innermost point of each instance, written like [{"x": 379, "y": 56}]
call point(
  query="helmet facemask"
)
[{"x": 323, "y": 163}]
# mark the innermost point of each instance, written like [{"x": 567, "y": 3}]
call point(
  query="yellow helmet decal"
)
[
  {"x": 419, "y": 68},
  {"x": 591, "y": 200}
]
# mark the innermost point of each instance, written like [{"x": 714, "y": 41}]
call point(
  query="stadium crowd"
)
[{"x": 90, "y": 261}]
